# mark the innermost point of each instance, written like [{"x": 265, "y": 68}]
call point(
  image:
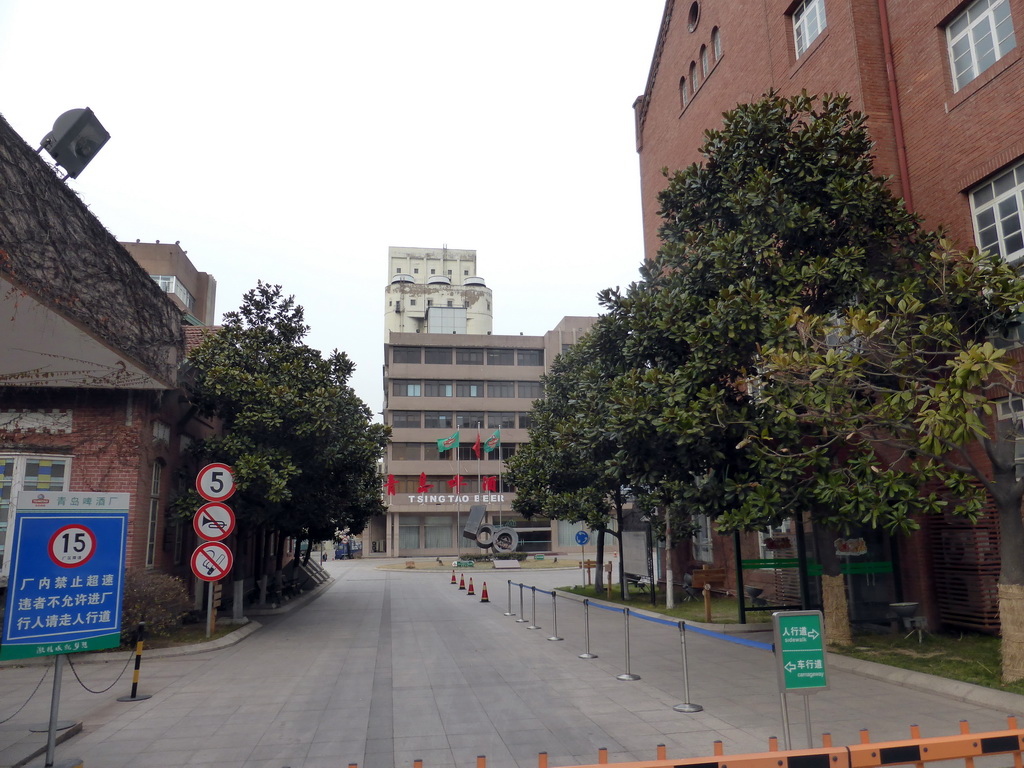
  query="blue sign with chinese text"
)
[{"x": 66, "y": 580}]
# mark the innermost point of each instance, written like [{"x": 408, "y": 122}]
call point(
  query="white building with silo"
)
[{"x": 446, "y": 372}]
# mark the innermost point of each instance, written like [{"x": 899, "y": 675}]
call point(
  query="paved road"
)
[{"x": 385, "y": 667}]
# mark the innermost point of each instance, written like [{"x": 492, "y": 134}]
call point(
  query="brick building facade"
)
[{"x": 940, "y": 82}]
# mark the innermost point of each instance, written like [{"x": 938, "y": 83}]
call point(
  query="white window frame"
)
[
  {"x": 976, "y": 31},
  {"x": 808, "y": 23},
  {"x": 17, "y": 485},
  {"x": 996, "y": 226},
  {"x": 156, "y": 482},
  {"x": 703, "y": 547}
]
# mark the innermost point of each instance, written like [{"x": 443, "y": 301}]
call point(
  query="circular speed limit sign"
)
[
  {"x": 72, "y": 546},
  {"x": 215, "y": 482}
]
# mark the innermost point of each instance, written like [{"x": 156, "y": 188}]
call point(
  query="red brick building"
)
[
  {"x": 90, "y": 359},
  {"x": 941, "y": 82}
]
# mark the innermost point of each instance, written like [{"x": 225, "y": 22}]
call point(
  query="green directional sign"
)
[{"x": 800, "y": 651}]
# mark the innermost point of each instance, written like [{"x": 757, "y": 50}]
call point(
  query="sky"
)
[{"x": 293, "y": 143}]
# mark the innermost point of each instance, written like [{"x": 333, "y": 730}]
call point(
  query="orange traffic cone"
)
[
  {"x": 453, "y": 578},
  {"x": 471, "y": 592},
  {"x": 483, "y": 594},
  {"x": 462, "y": 581}
]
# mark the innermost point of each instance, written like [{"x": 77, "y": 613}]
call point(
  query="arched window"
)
[
  {"x": 704, "y": 62},
  {"x": 694, "y": 81},
  {"x": 716, "y": 43},
  {"x": 684, "y": 97}
]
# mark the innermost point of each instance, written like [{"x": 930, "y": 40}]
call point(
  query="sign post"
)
[
  {"x": 800, "y": 659},
  {"x": 66, "y": 582},
  {"x": 582, "y": 537},
  {"x": 213, "y": 522}
]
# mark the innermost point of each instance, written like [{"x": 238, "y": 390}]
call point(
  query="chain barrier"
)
[
  {"x": 104, "y": 690},
  {"x": 35, "y": 690}
]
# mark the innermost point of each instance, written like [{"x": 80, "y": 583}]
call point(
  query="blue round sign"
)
[{"x": 582, "y": 537}]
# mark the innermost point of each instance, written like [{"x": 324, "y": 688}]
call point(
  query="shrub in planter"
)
[{"x": 155, "y": 598}]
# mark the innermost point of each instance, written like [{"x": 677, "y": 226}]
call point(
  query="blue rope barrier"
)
[
  {"x": 656, "y": 620},
  {"x": 668, "y": 623},
  {"x": 730, "y": 638},
  {"x": 608, "y": 608}
]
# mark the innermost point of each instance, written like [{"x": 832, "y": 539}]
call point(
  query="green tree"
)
[
  {"x": 783, "y": 221},
  {"x": 567, "y": 470},
  {"x": 301, "y": 443}
]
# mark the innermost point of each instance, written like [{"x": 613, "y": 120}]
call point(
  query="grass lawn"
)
[{"x": 967, "y": 657}]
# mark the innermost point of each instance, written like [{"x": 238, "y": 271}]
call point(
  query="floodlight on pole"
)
[{"x": 74, "y": 141}]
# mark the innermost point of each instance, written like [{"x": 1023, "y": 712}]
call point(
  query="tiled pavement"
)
[{"x": 385, "y": 667}]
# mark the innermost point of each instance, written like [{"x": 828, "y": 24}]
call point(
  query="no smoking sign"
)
[{"x": 211, "y": 561}]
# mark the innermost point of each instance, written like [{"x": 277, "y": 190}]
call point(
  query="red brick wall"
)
[
  {"x": 113, "y": 450},
  {"x": 952, "y": 140}
]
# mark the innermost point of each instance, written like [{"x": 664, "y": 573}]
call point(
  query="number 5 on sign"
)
[{"x": 215, "y": 482}]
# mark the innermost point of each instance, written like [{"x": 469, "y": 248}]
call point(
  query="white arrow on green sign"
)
[{"x": 800, "y": 651}]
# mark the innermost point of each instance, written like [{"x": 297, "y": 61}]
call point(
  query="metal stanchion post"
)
[
  {"x": 554, "y": 618},
  {"x": 521, "y": 619},
  {"x": 586, "y": 628},
  {"x": 627, "y": 675},
  {"x": 533, "y": 620},
  {"x": 509, "y": 612},
  {"x": 686, "y": 706}
]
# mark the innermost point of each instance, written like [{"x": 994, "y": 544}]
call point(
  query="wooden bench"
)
[{"x": 503, "y": 565}]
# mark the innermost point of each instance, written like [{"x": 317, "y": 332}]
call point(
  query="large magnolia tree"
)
[
  {"x": 301, "y": 443},
  {"x": 568, "y": 469},
  {"x": 770, "y": 244}
]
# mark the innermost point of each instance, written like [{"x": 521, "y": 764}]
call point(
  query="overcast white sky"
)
[{"x": 294, "y": 142}]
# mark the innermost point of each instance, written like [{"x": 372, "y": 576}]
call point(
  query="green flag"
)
[
  {"x": 448, "y": 442},
  {"x": 493, "y": 441}
]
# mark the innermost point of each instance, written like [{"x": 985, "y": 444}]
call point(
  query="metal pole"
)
[
  {"x": 785, "y": 719},
  {"x": 807, "y": 718},
  {"x": 554, "y": 617},
  {"x": 686, "y": 706},
  {"x": 209, "y": 609},
  {"x": 522, "y": 613},
  {"x": 533, "y": 621},
  {"x": 509, "y": 612},
  {"x": 586, "y": 628},
  {"x": 51, "y": 734},
  {"x": 627, "y": 675},
  {"x": 670, "y": 593}
]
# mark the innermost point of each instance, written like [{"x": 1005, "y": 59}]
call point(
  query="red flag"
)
[
  {"x": 391, "y": 485},
  {"x": 477, "y": 446},
  {"x": 490, "y": 484},
  {"x": 424, "y": 486},
  {"x": 456, "y": 483}
]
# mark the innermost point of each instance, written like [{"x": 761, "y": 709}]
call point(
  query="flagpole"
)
[{"x": 458, "y": 500}]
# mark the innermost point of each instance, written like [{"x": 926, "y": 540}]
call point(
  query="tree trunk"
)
[
  {"x": 837, "y": 610},
  {"x": 623, "y": 593},
  {"x": 599, "y": 575},
  {"x": 835, "y": 606}
]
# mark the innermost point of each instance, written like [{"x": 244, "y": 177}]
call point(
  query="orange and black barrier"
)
[{"x": 913, "y": 751}]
